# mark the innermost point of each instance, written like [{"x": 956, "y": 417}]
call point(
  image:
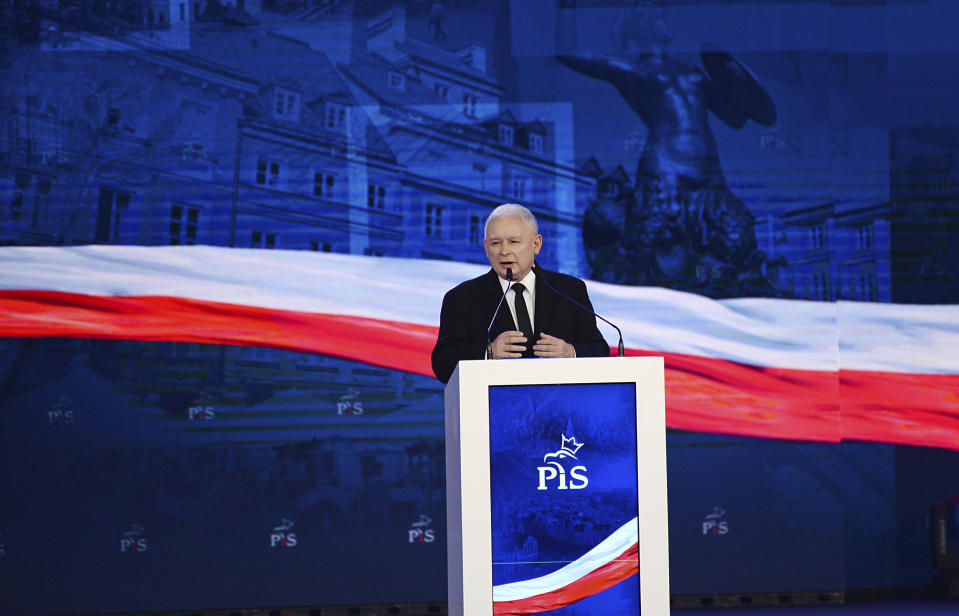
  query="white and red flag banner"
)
[
  {"x": 774, "y": 368},
  {"x": 611, "y": 561}
]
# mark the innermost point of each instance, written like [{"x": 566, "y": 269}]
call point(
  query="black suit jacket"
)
[{"x": 468, "y": 308}]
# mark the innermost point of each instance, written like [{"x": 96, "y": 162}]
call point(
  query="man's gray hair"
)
[{"x": 508, "y": 210}]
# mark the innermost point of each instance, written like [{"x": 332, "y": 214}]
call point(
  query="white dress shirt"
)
[{"x": 529, "y": 281}]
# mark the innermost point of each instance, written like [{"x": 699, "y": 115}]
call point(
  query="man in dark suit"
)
[{"x": 534, "y": 320}]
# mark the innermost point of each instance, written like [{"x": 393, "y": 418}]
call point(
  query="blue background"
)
[{"x": 356, "y": 127}]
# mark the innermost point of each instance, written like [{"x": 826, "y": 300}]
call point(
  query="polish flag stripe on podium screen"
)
[{"x": 609, "y": 563}]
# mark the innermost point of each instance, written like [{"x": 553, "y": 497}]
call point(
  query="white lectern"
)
[{"x": 556, "y": 486}]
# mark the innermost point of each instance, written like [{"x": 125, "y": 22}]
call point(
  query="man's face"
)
[{"x": 511, "y": 243}]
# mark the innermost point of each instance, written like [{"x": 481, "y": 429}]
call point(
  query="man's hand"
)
[
  {"x": 551, "y": 346},
  {"x": 508, "y": 345}
]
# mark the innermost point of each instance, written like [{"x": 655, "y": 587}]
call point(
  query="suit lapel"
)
[{"x": 544, "y": 304}]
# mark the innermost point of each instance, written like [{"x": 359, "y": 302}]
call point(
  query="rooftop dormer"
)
[
  {"x": 284, "y": 99},
  {"x": 473, "y": 55}
]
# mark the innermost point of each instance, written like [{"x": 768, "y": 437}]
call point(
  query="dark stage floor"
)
[{"x": 899, "y": 608}]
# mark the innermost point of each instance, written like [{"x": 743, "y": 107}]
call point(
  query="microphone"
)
[
  {"x": 489, "y": 343},
  {"x": 622, "y": 350}
]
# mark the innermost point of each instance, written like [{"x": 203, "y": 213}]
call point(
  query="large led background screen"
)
[{"x": 226, "y": 229}]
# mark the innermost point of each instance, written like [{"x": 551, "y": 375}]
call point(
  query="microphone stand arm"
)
[
  {"x": 489, "y": 343},
  {"x": 621, "y": 350}
]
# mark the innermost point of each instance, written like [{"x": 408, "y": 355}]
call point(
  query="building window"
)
[
  {"x": 22, "y": 182},
  {"x": 267, "y": 172},
  {"x": 40, "y": 198},
  {"x": 261, "y": 239},
  {"x": 335, "y": 116},
  {"x": 375, "y": 196},
  {"x": 109, "y": 207},
  {"x": 286, "y": 104},
  {"x": 506, "y": 134},
  {"x": 866, "y": 287},
  {"x": 475, "y": 230},
  {"x": 184, "y": 220},
  {"x": 12, "y": 126},
  {"x": 323, "y": 183},
  {"x": 41, "y": 201},
  {"x": 16, "y": 207},
  {"x": 864, "y": 238},
  {"x": 434, "y": 220},
  {"x": 441, "y": 89},
  {"x": 519, "y": 187},
  {"x": 609, "y": 189},
  {"x": 819, "y": 284},
  {"x": 469, "y": 105},
  {"x": 817, "y": 236},
  {"x": 536, "y": 143},
  {"x": 396, "y": 80},
  {"x": 318, "y": 246}
]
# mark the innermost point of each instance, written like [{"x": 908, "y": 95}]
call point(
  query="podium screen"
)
[{"x": 564, "y": 501}]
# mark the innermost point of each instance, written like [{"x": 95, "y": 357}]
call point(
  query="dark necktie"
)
[{"x": 522, "y": 317}]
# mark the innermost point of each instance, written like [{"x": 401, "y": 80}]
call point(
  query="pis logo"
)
[
  {"x": 195, "y": 413},
  {"x": 60, "y": 411},
  {"x": 420, "y": 531},
  {"x": 281, "y": 537},
  {"x": 133, "y": 540},
  {"x": 200, "y": 409},
  {"x": 714, "y": 524},
  {"x": 349, "y": 403},
  {"x": 554, "y": 470}
]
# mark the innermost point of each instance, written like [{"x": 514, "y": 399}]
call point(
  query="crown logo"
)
[
  {"x": 424, "y": 521},
  {"x": 570, "y": 445},
  {"x": 285, "y": 526}
]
